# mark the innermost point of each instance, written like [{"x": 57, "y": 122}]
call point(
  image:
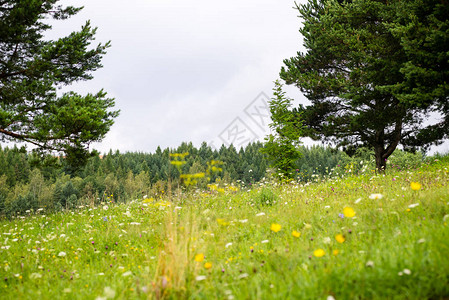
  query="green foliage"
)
[
  {"x": 373, "y": 71},
  {"x": 222, "y": 246},
  {"x": 125, "y": 176},
  {"x": 281, "y": 147},
  {"x": 32, "y": 69},
  {"x": 266, "y": 197}
]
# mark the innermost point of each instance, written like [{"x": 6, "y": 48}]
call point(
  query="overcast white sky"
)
[{"x": 188, "y": 70}]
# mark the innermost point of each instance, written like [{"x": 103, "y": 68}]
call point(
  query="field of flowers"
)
[{"x": 361, "y": 237}]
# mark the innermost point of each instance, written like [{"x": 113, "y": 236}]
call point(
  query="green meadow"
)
[{"x": 369, "y": 236}]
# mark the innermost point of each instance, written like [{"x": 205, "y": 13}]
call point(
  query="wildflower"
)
[
  {"x": 105, "y": 219},
  {"x": 420, "y": 241},
  {"x": 228, "y": 245},
  {"x": 358, "y": 200},
  {"x": 296, "y": 234},
  {"x": 416, "y": 186},
  {"x": 244, "y": 275},
  {"x": 335, "y": 252},
  {"x": 375, "y": 196},
  {"x": 108, "y": 293},
  {"x": 348, "y": 212},
  {"x": 126, "y": 274},
  {"x": 35, "y": 275},
  {"x": 275, "y": 227},
  {"x": 341, "y": 216},
  {"x": 222, "y": 222},
  {"x": 327, "y": 240},
  {"x": 199, "y": 257},
  {"x": 413, "y": 205},
  {"x": 62, "y": 254},
  {"x": 369, "y": 264},
  {"x": 340, "y": 238},
  {"x": 208, "y": 265},
  {"x": 200, "y": 278},
  {"x": 307, "y": 226},
  {"x": 260, "y": 214},
  {"x": 264, "y": 241},
  {"x": 319, "y": 253},
  {"x": 407, "y": 272}
]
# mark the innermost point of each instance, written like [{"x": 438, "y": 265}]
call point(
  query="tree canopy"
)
[
  {"x": 33, "y": 67},
  {"x": 281, "y": 146},
  {"x": 374, "y": 71}
]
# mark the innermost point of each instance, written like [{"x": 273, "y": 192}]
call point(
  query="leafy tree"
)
[
  {"x": 31, "y": 69},
  {"x": 282, "y": 146},
  {"x": 367, "y": 84}
]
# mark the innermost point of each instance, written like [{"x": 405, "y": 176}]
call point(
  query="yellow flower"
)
[
  {"x": 222, "y": 222},
  {"x": 348, "y": 212},
  {"x": 296, "y": 234},
  {"x": 319, "y": 252},
  {"x": 275, "y": 227},
  {"x": 208, "y": 265},
  {"x": 199, "y": 257},
  {"x": 416, "y": 186},
  {"x": 340, "y": 238},
  {"x": 335, "y": 252}
]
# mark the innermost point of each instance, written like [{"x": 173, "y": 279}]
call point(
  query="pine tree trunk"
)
[{"x": 381, "y": 162}]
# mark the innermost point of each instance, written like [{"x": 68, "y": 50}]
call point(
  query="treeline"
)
[{"x": 29, "y": 181}]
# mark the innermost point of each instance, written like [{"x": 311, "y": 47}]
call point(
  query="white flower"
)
[
  {"x": 244, "y": 275},
  {"x": 105, "y": 207},
  {"x": 369, "y": 264},
  {"x": 407, "y": 272},
  {"x": 327, "y": 206},
  {"x": 375, "y": 196},
  {"x": 264, "y": 241},
  {"x": 358, "y": 201},
  {"x": 243, "y": 221},
  {"x": 35, "y": 275},
  {"x": 62, "y": 254},
  {"x": 228, "y": 245},
  {"x": 200, "y": 278},
  {"x": 134, "y": 223},
  {"x": 109, "y": 293},
  {"x": 327, "y": 240},
  {"x": 330, "y": 297},
  {"x": 413, "y": 205},
  {"x": 126, "y": 274},
  {"x": 420, "y": 241},
  {"x": 260, "y": 214}
]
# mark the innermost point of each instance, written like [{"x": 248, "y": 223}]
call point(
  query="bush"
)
[{"x": 266, "y": 196}]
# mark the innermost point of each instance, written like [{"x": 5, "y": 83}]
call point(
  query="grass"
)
[{"x": 252, "y": 244}]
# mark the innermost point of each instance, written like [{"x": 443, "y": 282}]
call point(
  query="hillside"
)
[{"x": 361, "y": 237}]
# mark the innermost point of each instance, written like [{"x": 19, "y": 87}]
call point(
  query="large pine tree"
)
[
  {"x": 374, "y": 70},
  {"x": 31, "y": 69}
]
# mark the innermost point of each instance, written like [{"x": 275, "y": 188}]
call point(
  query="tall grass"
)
[{"x": 235, "y": 245}]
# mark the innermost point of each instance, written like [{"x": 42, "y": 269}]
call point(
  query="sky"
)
[{"x": 188, "y": 71}]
